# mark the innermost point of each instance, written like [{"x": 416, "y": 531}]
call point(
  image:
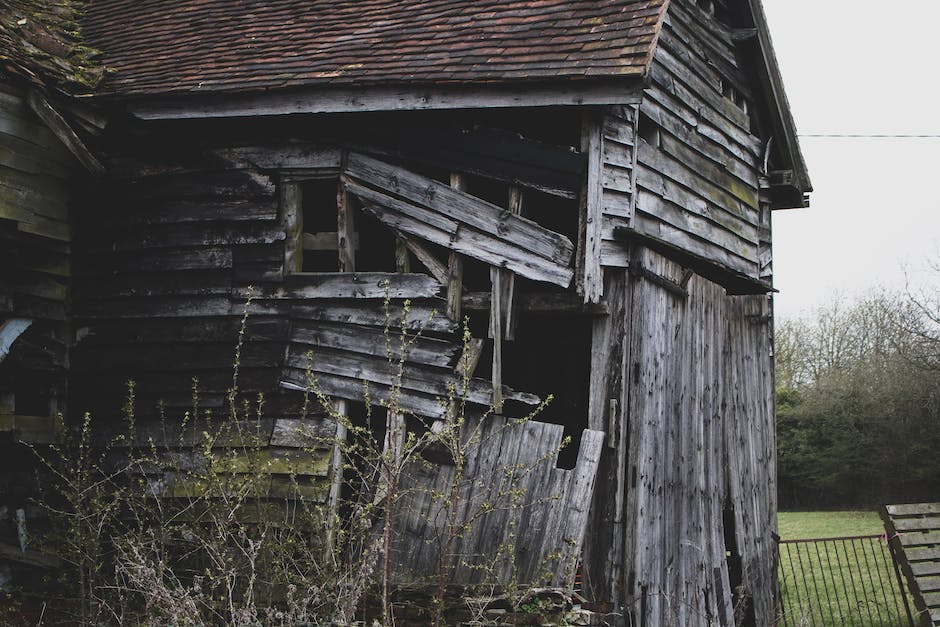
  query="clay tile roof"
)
[
  {"x": 185, "y": 46},
  {"x": 40, "y": 43}
]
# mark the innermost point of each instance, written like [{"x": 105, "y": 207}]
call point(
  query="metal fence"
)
[{"x": 851, "y": 581}]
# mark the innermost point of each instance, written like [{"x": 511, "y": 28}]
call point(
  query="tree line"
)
[{"x": 858, "y": 401}]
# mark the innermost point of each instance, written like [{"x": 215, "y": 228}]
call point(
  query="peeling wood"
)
[{"x": 10, "y": 330}]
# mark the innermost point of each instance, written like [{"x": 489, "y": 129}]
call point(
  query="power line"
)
[{"x": 873, "y": 135}]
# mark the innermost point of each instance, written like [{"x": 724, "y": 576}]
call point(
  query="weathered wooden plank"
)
[
  {"x": 310, "y": 285},
  {"x": 914, "y": 509},
  {"x": 916, "y": 524},
  {"x": 424, "y": 379},
  {"x": 285, "y": 157},
  {"x": 539, "y": 302},
  {"x": 475, "y": 212},
  {"x": 54, "y": 120},
  {"x": 482, "y": 246},
  {"x": 375, "y": 341},
  {"x": 914, "y": 539},
  {"x": 437, "y": 269},
  {"x": 592, "y": 144},
  {"x": 424, "y": 315}
]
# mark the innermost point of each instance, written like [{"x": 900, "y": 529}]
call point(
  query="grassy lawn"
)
[
  {"x": 801, "y": 525},
  {"x": 837, "y": 583}
]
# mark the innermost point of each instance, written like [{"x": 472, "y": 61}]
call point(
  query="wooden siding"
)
[
  {"x": 693, "y": 180},
  {"x": 35, "y": 265},
  {"x": 700, "y": 433},
  {"x": 519, "y": 519}
]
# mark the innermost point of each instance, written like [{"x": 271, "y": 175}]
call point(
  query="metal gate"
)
[{"x": 851, "y": 581}]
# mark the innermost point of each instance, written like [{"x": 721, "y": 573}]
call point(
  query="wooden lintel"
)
[
  {"x": 539, "y": 303},
  {"x": 417, "y": 97},
  {"x": 57, "y": 124}
]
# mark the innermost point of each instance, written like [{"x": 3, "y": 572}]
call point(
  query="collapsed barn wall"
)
[{"x": 189, "y": 231}]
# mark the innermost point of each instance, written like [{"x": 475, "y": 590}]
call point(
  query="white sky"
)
[{"x": 859, "y": 66}]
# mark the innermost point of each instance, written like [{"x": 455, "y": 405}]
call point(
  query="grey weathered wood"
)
[
  {"x": 292, "y": 222},
  {"x": 338, "y": 100},
  {"x": 375, "y": 341},
  {"x": 496, "y": 332},
  {"x": 538, "y": 302},
  {"x": 422, "y": 314},
  {"x": 914, "y": 533},
  {"x": 345, "y": 230},
  {"x": 514, "y": 503},
  {"x": 349, "y": 285},
  {"x": 437, "y": 269},
  {"x": 54, "y": 120},
  {"x": 472, "y": 211},
  {"x": 591, "y": 209},
  {"x": 286, "y": 157},
  {"x": 454, "y": 286}
]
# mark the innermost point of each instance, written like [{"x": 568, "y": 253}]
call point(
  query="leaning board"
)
[{"x": 914, "y": 531}]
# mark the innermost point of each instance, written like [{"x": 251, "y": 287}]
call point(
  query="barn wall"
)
[
  {"x": 701, "y": 467},
  {"x": 188, "y": 223},
  {"x": 694, "y": 179},
  {"x": 35, "y": 272}
]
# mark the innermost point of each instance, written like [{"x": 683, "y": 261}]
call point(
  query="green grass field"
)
[{"x": 837, "y": 583}]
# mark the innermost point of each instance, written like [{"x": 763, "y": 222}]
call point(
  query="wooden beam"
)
[
  {"x": 402, "y": 260},
  {"x": 57, "y": 124},
  {"x": 539, "y": 302},
  {"x": 626, "y": 90},
  {"x": 345, "y": 230},
  {"x": 592, "y": 280},
  {"x": 496, "y": 332},
  {"x": 455, "y": 265},
  {"x": 509, "y": 305},
  {"x": 292, "y": 221},
  {"x": 437, "y": 269}
]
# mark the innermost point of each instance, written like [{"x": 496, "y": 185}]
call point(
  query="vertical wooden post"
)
[
  {"x": 292, "y": 221},
  {"x": 455, "y": 266},
  {"x": 345, "y": 230},
  {"x": 496, "y": 332},
  {"x": 590, "y": 279},
  {"x": 509, "y": 304},
  {"x": 402, "y": 258},
  {"x": 336, "y": 461}
]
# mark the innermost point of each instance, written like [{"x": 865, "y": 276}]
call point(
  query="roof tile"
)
[{"x": 179, "y": 46}]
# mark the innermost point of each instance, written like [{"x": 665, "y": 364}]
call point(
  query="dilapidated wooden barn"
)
[{"x": 589, "y": 182}]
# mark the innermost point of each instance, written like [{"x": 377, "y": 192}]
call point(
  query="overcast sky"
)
[{"x": 859, "y": 66}]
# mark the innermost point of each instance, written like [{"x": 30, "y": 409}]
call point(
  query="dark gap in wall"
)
[
  {"x": 376, "y": 249},
  {"x": 743, "y": 607},
  {"x": 318, "y": 199},
  {"x": 648, "y": 130},
  {"x": 551, "y": 354}
]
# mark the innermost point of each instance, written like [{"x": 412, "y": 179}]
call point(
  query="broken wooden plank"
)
[
  {"x": 54, "y": 120},
  {"x": 309, "y": 285},
  {"x": 376, "y": 341},
  {"x": 470, "y": 210},
  {"x": 420, "y": 315}
]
